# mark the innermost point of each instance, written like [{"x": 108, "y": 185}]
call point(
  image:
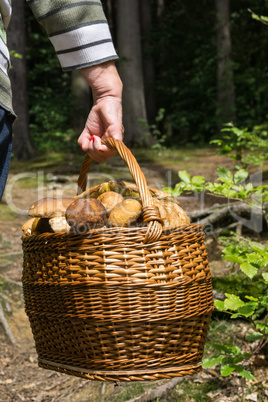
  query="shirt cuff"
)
[{"x": 84, "y": 46}]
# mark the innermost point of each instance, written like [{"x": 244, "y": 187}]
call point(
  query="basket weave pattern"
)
[{"x": 108, "y": 306}]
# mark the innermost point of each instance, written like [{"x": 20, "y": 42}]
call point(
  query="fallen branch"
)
[
  {"x": 6, "y": 326},
  {"x": 259, "y": 16},
  {"x": 158, "y": 392},
  {"x": 202, "y": 213}
]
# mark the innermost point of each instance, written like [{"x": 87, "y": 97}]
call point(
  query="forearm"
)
[{"x": 104, "y": 81}]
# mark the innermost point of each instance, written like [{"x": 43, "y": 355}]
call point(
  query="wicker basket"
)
[{"x": 119, "y": 304}]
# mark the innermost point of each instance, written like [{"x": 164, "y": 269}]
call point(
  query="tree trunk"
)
[
  {"x": 81, "y": 93},
  {"x": 148, "y": 63},
  {"x": 225, "y": 79},
  {"x": 22, "y": 146},
  {"x": 130, "y": 69},
  {"x": 160, "y": 9}
]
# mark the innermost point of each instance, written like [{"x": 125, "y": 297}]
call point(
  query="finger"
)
[
  {"x": 84, "y": 140},
  {"x": 94, "y": 150},
  {"x": 114, "y": 131}
]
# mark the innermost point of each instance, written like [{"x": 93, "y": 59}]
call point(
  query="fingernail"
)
[
  {"x": 92, "y": 138},
  {"x": 101, "y": 150}
]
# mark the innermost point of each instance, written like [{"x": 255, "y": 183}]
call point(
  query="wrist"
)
[{"x": 104, "y": 81}]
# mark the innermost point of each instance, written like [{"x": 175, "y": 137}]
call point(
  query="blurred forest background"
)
[{"x": 187, "y": 68}]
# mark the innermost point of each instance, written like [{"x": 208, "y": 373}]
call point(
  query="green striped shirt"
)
[{"x": 78, "y": 31}]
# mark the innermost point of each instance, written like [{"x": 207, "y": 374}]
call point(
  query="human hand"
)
[{"x": 105, "y": 117}]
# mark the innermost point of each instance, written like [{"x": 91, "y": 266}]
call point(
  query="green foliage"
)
[
  {"x": 236, "y": 143},
  {"x": 48, "y": 92},
  {"x": 260, "y": 18},
  {"x": 153, "y": 129},
  {"x": 250, "y": 256},
  {"x": 13, "y": 53},
  {"x": 228, "y": 185},
  {"x": 183, "y": 45},
  {"x": 240, "y": 284},
  {"x": 231, "y": 359}
]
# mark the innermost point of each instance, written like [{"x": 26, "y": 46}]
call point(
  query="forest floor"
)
[{"x": 56, "y": 174}]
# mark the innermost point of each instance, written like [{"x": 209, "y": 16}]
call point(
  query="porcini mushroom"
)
[
  {"x": 27, "y": 227},
  {"x": 59, "y": 224},
  {"x": 110, "y": 200},
  {"x": 85, "y": 214},
  {"x": 125, "y": 214},
  {"x": 40, "y": 225},
  {"x": 171, "y": 213},
  {"x": 50, "y": 207}
]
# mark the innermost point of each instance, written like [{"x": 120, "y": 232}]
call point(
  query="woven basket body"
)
[
  {"x": 109, "y": 306},
  {"x": 105, "y": 306}
]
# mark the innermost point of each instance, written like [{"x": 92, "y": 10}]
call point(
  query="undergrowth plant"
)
[{"x": 249, "y": 256}]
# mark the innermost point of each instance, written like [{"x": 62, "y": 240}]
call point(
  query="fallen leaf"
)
[{"x": 252, "y": 397}]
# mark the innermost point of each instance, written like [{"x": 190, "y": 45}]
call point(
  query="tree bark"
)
[
  {"x": 160, "y": 9},
  {"x": 81, "y": 93},
  {"x": 148, "y": 63},
  {"x": 22, "y": 146},
  {"x": 130, "y": 69},
  {"x": 225, "y": 79}
]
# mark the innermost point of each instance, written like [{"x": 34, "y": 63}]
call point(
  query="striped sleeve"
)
[{"x": 78, "y": 31}]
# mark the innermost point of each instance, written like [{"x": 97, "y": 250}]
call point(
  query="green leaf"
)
[
  {"x": 251, "y": 298},
  {"x": 265, "y": 277},
  {"x": 240, "y": 176},
  {"x": 249, "y": 186},
  {"x": 219, "y": 305},
  {"x": 226, "y": 349},
  {"x": 249, "y": 269},
  {"x": 234, "y": 258},
  {"x": 224, "y": 174},
  {"x": 238, "y": 359},
  {"x": 236, "y": 315},
  {"x": 255, "y": 336},
  {"x": 227, "y": 370},
  {"x": 184, "y": 176},
  {"x": 212, "y": 361},
  {"x": 247, "y": 310},
  {"x": 244, "y": 373},
  {"x": 259, "y": 17},
  {"x": 233, "y": 302},
  {"x": 198, "y": 180}
]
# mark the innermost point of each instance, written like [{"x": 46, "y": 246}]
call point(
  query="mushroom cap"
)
[
  {"x": 85, "y": 214},
  {"x": 110, "y": 199},
  {"x": 171, "y": 213},
  {"x": 125, "y": 214},
  {"x": 50, "y": 207}
]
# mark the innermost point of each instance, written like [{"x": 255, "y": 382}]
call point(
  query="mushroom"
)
[
  {"x": 40, "y": 225},
  {"x": 125, "y": 214},
  {"x": 50, "y": 207},
  {"x": 172, "y": 214},
  {"x": 27, "y": 227},
  {"x": 110, "y": 200},
  {"x": 85, "y": 214},
  {"x": 59, "y": 224}
]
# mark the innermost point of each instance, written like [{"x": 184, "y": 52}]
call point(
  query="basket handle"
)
[{"x": 150, "y": 213}]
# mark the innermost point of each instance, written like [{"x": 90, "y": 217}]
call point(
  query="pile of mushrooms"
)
[{"x": 109, "y": 209}]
